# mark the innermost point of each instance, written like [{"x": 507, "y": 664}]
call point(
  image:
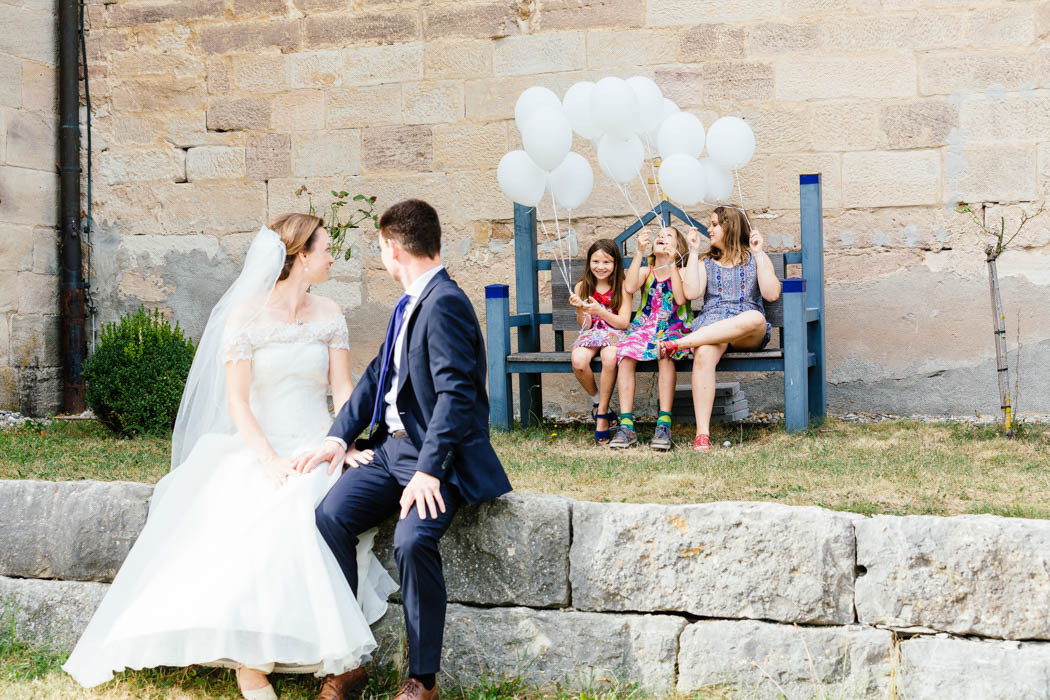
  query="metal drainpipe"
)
[{"x": 73, "y": 337}]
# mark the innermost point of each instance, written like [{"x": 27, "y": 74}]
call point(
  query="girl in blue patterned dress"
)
[{"x": 733, "y": 277}]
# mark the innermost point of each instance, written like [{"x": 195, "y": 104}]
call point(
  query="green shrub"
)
[{"x": 137, "y": 373}]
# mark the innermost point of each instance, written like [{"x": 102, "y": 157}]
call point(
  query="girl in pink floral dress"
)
[{"x": 603, "y": 311}]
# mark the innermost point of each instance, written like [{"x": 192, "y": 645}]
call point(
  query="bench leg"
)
[
  {"x": 497, "y": 332},
  {"x": 796, "y": 375}
]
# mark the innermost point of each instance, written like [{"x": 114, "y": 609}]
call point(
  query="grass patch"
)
[{"x": 893, "y": 467}]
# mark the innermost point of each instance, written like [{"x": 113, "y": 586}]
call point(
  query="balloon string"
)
[
  {"x": 562, "y": 263},
  {"x": 677, "y": 257},
  {"x": 656, "y": 180},
  {"x": 740, "y": 194},
  {"x": 652, "y": 205}
]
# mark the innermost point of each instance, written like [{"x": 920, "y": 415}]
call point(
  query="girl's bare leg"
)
[
  {"x": 608, "y": 383},
  {"x": 666, "y": 378},
  {"x": 581, "y": 367},
  {"x": 705, "y": 360},
  {"x": 626, "y": 384},
  {"x": 742, "y": 331}
]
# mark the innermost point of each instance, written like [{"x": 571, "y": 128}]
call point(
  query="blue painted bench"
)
[{"x": 799, "y": 315}]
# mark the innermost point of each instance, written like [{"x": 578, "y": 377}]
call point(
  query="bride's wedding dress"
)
[{"x": 230, "y": 565}]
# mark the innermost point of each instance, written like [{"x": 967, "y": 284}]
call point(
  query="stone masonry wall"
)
[
  {"x": 211, "y": 114},
  {"x": 757, "y": 599},
  {"x": 30, "y": 375}
]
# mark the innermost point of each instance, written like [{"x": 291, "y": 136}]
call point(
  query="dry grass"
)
[{"x": 899, "y": 467}]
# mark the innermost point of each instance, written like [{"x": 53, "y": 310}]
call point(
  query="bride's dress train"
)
[{"x": 230, "y": 566}]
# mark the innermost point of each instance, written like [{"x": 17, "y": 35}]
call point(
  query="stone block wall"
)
[
  {"x": 755, "y": 599},
  {"x": 211, "y": 114},
  {"x": 30, "y": 374}
]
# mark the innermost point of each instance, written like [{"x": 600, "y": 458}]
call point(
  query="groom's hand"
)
[
  {"x": 425, "y": 492},
  {"x": 358, "y": 458},
  {"x": 330, "y": 451}
]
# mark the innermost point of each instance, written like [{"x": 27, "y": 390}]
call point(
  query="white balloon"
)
[
  {"x": 621, "y": 159},
  {"x": 681, "y": 132},
  {"x": 682, "y": 178},
  {"x": 572, "y": 181},
  {"x": 614, "y": 107},
  {"x": 668, "y": 108},
  {"x": 719, "y": 180},
  {"x": 577, "y": 106},
  {"x": 520, "y": 179},
  {"x": 650, "y": 102},
  {"x": 547, "y": 138},
  {"x": 731, "y": 142},
  {"x": 531, "y": 101}
]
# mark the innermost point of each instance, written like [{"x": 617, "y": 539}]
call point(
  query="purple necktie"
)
[{"x": 392, "y": 332}]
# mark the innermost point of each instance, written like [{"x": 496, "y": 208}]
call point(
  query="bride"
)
[{"x": 230, "y": 569}]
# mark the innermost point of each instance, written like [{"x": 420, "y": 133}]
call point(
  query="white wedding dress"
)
[{"x": 231, "y": 566}]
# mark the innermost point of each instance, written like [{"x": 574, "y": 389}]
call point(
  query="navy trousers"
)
[{"x": 365, "y": 497}]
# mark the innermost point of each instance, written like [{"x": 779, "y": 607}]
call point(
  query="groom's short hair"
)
[{"x": 414, "y": 225}]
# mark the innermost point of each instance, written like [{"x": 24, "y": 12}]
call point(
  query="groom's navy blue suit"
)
[{"x": 442, "y": 402}]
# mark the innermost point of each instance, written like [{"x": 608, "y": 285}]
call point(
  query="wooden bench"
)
[{"x": 797, "y": 349}]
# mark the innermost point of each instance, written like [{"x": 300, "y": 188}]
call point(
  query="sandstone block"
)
[
  {"x": 679, "y": 12},
  {"x": 71, "y": 530},
  {"x": 8, "y": 378},
  {"x": 1044, "y": 168},
  {"x": 215, "y": 162},
  {"x": 972, "y": 669},
  {"x": 885, "y": 179},
  {"x": 972, "y": 71},
  {"x": 963, "y": 575},
  {"x": 265, "y": 8},
  {"x": 378, "y": 28},
  {"x": 32, "y": 141},
  {"x": 706, "y": 42},
  {"x": 469, "y": 146},
  {"x": 264, "y": 72},
  {"x": 126, "y": 165},
  {"x": 35, "y": 340},
  {"x": 784, "y": 172},
  {"x": 382, "y": 64},
  {"x": 737, "y": 81},
  {"x": 16, "y": 256},
  {"x": 805, "y": 7},
  {"x": 180, "y": 129},
  {"x": 154, "y": 94},
  {"x": 40, "y": 389},
  {"x": 1000, "y": 173},
  {"x": 838, "y": 77},
  {"x": 298, "y": 110},
  {"x": 764, "y": 660},
  {"x": 1004, "y": 25},
  {"x": 775, "y": 38},
  {"x": 218, "y": 75},
  {"x": 613, "y": 48},
  {"x": 490, "y": 19},
  {"x": 28, "y": 196},
  {"x": 39, "y": 87},
  {"x": 433, "y": 103},
  {"x": 570, "y": 14},
  {"x": 250, "y": 36},
  {"x": 10, "y": 81},
  {"x": 717, "y": 560},
  {"x": 8, "y": 298},
  {"x": 893, "y": 32},
  {"x": 36, "y": 37},
  {"x": 917, "y": 124},
  {"x": 683, "y": 84},
  {"x": 238, "y": 114},
  {"x": 491, "y": 99},
  {"x": 549, "y": 646},
  {"x": 316, "y": 69},
  {"x": 129, "y": 15},
  {"x": 50, "y": 614},
  {"x": 844, "y": 126},
  {"x": 324, "y": 153},
  {"x": 1005, "y": 119},
  {"x": 375, "y": 105},
  {"x": 215, "y": 207},
  {"x": 457, "y": 59},
  {"x": 268, "y": 156},
  {"x": 540, "y": 53},
  {"x": 45, "y": 251},
  {"x": 37, "y": 294},
  {"x": 145, "y": 63},
  {"x": 397, "y": 148}
]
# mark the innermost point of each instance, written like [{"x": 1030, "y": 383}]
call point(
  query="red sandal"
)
[{"x": 702, "y": 443}]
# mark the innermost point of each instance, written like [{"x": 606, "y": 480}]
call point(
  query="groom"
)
[{"x": 423, "y": 404}]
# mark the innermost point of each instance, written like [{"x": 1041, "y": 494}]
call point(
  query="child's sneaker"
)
[
  {"x": 624, "y": 437},
  {"x": 702, "y": 443},
  {"x": 662, "y": 438}
]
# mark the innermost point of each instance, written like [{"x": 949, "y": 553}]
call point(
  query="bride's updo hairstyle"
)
[{"x": 297, "y": 233}]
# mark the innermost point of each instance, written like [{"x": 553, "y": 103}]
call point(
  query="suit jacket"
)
[{"x": 441, "y": 394}]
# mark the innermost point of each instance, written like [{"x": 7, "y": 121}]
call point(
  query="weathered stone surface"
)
[
  {"x": 155, "y": 94},
  {"x": 434, "y": 102},
  {"x": 917, "y": 124},
  {"x": 457, "y": 59},
  {"x": 540, "y": 53},
  {"x": 382, "y": 64},
  {"x": 225, "y": 114},
  {"x": 484, "y": 20},
  {"x": 32, "y": 141},
  {"x": 775, "y": 38},
  {"x": 10, "y": 81},
  {"x": 397, "y": 148},
  {"x": 682, "y": 84},
  {"x": 28, "y": 196},
  {"x": 572, "y": 14},
  {"x": 991, "y": 173},
  {"x": 749, "y": 560},
  {"x": 737, "y": 81},
  {"x": 323, "y": 153},
  {"x": 156, "y": 64},
  {"x": 71, "y": 530},
  {"x": 893, "y": 32},
  {"x": 549, "y": 646},
  {"x": 511, "y": 551},
  {"x": 671, "y": 12},
  {"x": 268, "y": 156},
  {"x": 884, "y": 179},
  {"x": 973, "y": 670},
  {"x": 49, "y": 614},
  {"x": 250, "y": 36},
  {"x": 844, "y": 126},
  {"x": 784, "y": 172},
  {"x": 264, "y": 72},
  {"x": 214, "y": 162},
  {"x": 34, "y": 34},
  {"x": 764, "y": 660},
  {"x": 374, "y": 105},
  {"x": 298, "y": 110},
  {"x": 39, "y": 87},
  {"x": 129, "y": 15},
  {"x": 1003, "y": 25},
  {"x": 126, "y": 165},
  {"x": 944, "y": 73},
  {"x": 970, "y": 574},
  {"x": 613, "y": 48},
  {"x": 37, "y": 294},
  {"x": 1004, "y": 118},
  {"x": 871, "y": 76},
  {"x": 469, "y": 146},
  {"x": 214, "y": 207},
  {"x": 380, "y": 28}
]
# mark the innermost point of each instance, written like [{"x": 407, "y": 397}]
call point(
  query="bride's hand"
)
[
  {"x": 278, "y": 469},
  {"x": 359, "y": 458},
  {"x": 330, "y": 451}
]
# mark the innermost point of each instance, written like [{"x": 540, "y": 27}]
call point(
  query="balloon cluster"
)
[{"x": 628, "y": 121}]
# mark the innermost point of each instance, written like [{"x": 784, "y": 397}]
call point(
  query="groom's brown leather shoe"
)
[
  {"x": 338, "y": 687},
  {"x": 412, "y": 689}
]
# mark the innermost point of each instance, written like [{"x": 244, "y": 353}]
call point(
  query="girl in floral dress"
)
[
  {"x": 664, "y": 315},
  {"x": 735, "y": 276},
  {"x": 603, "y": 311}
]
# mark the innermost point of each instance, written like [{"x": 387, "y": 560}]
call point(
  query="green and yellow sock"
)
[
  {"x": 627, "y": 420},
  {"x": 664, "y": 418}
]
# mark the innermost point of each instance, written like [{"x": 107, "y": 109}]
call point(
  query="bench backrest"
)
[{"x": 563, "y": 314}]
